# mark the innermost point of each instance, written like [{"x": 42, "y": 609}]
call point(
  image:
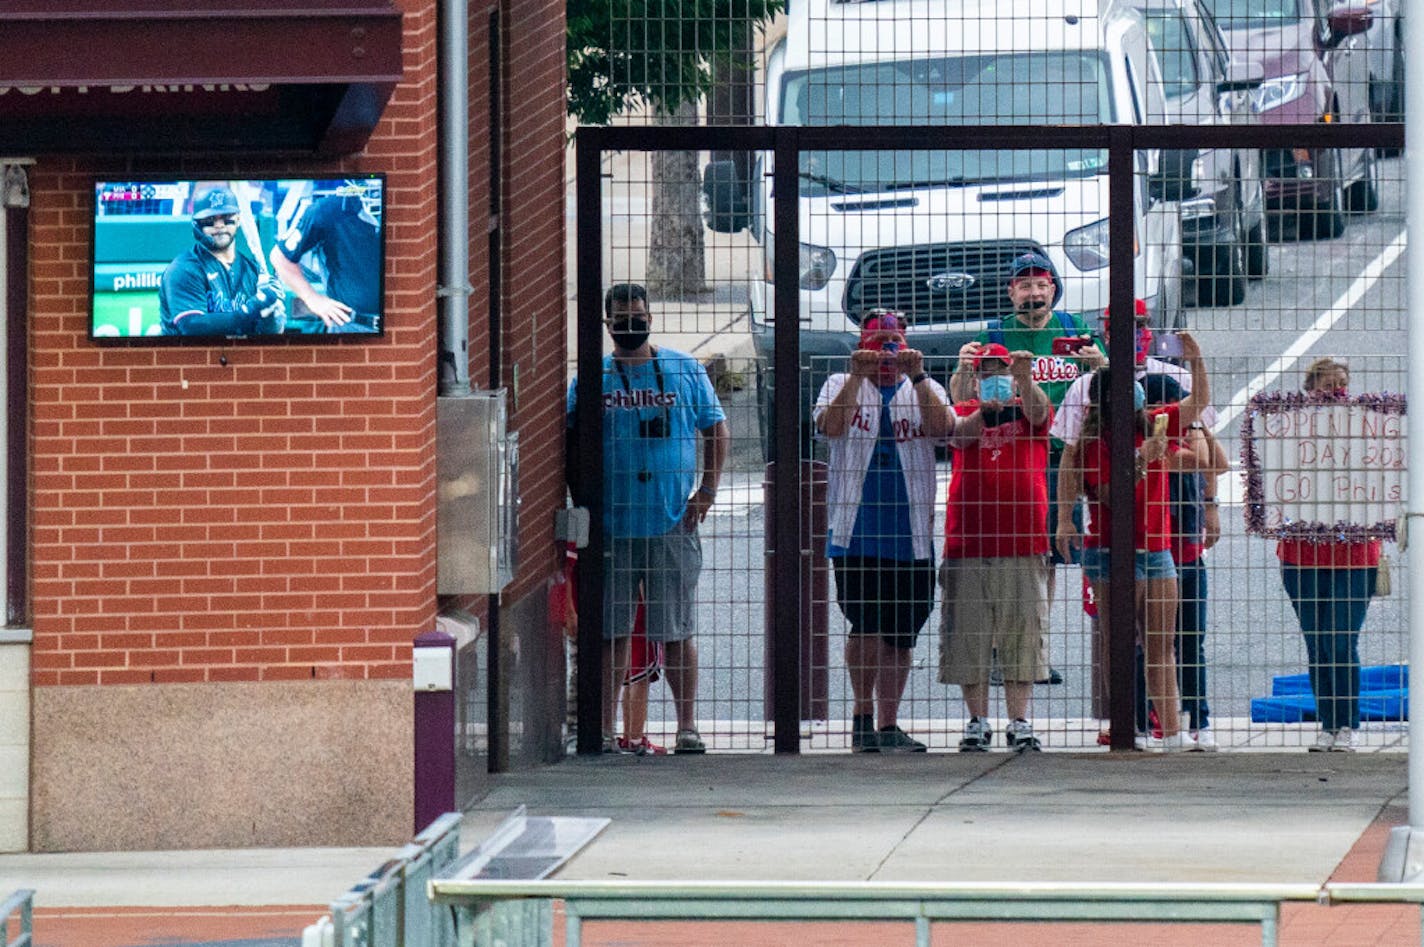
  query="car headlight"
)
[
  {"x": 1087, "y": 247},
  {"x": 817, "y": 265},
  {"x": 1273, "y": 93}
]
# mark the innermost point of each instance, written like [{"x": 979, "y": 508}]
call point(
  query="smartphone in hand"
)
[
  {"x": 1159, "y": 425},
  {"x": 1070, "y": 344},
  {"x": 1167, "y": 345}
]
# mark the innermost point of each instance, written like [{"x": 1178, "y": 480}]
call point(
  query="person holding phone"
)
[
  {"x": 1147, "y": 346},
  {"x": 994, "y": 580},
  {"x": 1086, "y": 470},
  {"x": 882, "y": 420},
  {"x": 1062, "y": 349}
]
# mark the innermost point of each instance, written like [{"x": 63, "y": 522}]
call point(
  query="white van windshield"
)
[
  {"x": 1242, "y": 14},
  {"x": 1064, "y": 88}
]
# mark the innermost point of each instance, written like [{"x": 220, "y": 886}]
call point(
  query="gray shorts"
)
[
  {"x": 665, "y": 570},
  {"x": 993, "y": 608}
]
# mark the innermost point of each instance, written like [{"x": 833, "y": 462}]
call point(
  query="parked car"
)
[
  {"x": 1223, "y": 210},
  {"x": 932, "y": 233},
  {"x": 1316, "y": 70},
  {"x": 1385, "y": 44}
]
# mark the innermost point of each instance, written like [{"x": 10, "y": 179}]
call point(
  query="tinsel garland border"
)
[{"x": 1268, "y": 402}]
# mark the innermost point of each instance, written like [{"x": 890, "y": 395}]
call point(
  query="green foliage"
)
[{"x": 661, "y": 52}]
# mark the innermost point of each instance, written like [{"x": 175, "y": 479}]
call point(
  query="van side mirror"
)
[
  {"x": 1242, "y": 76},
  {"x": 728, "y": 197},
  {"x": 1172, "y": 181},
  {"x": 1347, "y": 21}
]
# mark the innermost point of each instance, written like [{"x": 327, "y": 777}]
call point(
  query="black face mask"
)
[{"x": 630, "y": 335}]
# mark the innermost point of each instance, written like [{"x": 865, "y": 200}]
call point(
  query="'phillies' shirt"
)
[
  {"x": 1052, "y": 373},
  {"x": 998, "y": 491},
  {"x": 652, "y": 416},
  {"x": 1152, "y": 520}
]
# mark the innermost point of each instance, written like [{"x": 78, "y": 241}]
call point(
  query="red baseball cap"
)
[
  {"x": 1139, "y": 309},
  {"x": 993, "y": 350},
  {"x": 875, "y": 326}
]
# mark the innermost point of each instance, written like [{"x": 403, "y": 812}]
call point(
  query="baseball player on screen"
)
[
  {"x": 212, "y": 290},
  {"x": 343, "y": 231}
]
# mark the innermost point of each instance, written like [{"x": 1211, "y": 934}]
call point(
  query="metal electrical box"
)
[{"x": 477, "y": 469}]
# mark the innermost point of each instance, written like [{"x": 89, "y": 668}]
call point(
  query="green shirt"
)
[{"x": 1053, "y": 373}]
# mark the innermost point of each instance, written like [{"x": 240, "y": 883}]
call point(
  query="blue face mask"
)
[
  {"x": 1139, "y": 396},
  {"x": 996, "y": 388}
]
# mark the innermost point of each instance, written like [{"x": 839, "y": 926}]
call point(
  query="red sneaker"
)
[
  {"x": 645, "y": 747},
  {"x": 641, "y": 747},
  {"x": 1104, "y": 738}
]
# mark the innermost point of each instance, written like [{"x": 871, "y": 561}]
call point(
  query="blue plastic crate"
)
[
  {"x": 1284, "y": 685},
  {"x": 1289, "y": 708},
  {"x": 1384, "y": 705},
  {"x": 1384, "y": 677}
]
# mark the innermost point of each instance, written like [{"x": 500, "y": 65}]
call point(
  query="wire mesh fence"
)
[{"x": 926, "y": 609}]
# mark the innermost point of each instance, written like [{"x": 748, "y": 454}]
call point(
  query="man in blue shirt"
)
[{"x": 658, "y": 404}]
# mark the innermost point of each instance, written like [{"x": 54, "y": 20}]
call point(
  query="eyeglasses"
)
[{"x": 222, "y": 220}]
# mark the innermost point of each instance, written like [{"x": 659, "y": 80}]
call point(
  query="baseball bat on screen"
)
[{"x": 247, "y": 222}]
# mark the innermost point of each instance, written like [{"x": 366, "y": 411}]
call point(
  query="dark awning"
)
[{"x": 174, "y": 76}]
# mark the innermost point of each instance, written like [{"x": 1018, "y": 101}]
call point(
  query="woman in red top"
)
[
  {"x": 1086, "y": 470},
  {"x": 1329, "y": 584}
]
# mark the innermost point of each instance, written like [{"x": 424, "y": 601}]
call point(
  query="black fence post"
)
[
  {"x": 1121, "y": 606},
  {"x": 588, "y": 436},
  {"x": 786, "y": 369}
]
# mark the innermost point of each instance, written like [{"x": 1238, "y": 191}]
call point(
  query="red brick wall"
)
[
  {"x": 531, "y": 221},
  {"x": 268, "y": 519}
]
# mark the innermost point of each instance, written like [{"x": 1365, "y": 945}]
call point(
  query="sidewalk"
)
[{"x": 1277, "y": 817}]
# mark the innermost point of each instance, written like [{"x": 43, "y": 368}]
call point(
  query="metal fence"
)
[
  {"x": 777, "y": 172},
  {"x": 17, "y": 919},
  {"x": 390, "y": 908},
  {"x": 510, "y": 907},
  {"x": 771, "y": 673}
]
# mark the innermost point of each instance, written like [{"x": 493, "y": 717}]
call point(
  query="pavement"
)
[{"x": 1055, "y": 816}]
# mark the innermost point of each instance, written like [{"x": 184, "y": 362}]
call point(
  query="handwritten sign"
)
[{"x": 1331, "y": 469}]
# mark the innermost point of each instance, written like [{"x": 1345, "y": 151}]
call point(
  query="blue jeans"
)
[
  {"x": 1191, "y": 640},
  {"x": 1331, "y": 605}
]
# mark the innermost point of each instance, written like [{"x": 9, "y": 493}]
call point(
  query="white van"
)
[{"x": 932, "y": 233}]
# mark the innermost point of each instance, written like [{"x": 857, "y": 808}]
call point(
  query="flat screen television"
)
[{"x": 194, "y": 259}]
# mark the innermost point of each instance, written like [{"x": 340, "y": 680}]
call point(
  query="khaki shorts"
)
[{"x": 993, "y": 607}]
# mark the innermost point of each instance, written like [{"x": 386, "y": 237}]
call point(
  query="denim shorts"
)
[{"x": 1146, "y": 565}]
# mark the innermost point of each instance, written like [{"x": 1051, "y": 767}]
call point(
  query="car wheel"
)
[
  {"x": 1326, "y": 220},
  {"x": 1258, "y": 257},
  {"x": 766, "y": 422},
  {"x": 1364, "y": 193},
  {"x": 1225, "y": 282}
]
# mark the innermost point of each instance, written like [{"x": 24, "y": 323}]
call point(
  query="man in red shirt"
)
[{"x": 995, "y": 572}]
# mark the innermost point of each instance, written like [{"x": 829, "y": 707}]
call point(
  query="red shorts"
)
[{"x": 645, "y": 658}]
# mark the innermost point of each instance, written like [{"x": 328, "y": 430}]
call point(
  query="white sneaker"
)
[
  {"x": 1344, "y": 741},
  {"x": 1205, "y": 741},
  {"x": 1324, "y": 742},
  {"x": 1180, "y": 742}
]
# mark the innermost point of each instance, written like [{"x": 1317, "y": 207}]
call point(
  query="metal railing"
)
[
  {"x": 21, "y": 903},
  {"x": 390, "y": 908},
  {"x": 521, "y": 913}
]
